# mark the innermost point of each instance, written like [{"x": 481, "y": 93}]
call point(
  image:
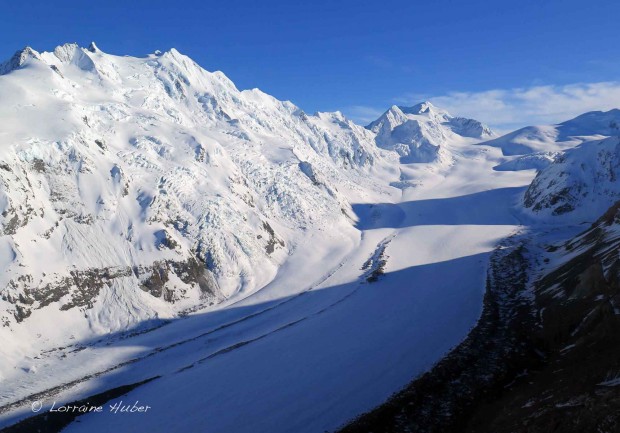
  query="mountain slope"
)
[
  {"x": 573, "y": 385},
  {"x": 553, "y": 138},
  {"x": 139, "y": 188},
  {"x": 580, "y": 184}
]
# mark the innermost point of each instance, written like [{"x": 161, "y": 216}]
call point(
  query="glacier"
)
[{"x": 264, "y": 269}]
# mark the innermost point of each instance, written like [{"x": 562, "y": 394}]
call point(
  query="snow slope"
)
[
  {"x": 140, "y": 188},
  {"x": 553, "y": 138},
  {"x": 530, "y": 161}
]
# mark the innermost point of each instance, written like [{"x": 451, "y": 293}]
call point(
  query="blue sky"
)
[{"x": 497, "y": 61}]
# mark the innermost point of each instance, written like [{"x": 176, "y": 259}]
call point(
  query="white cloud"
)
[
  {"x": 361, "y": 114},
  {"x": 509, "y": 109},
  {"x": 514, "y": 108}
]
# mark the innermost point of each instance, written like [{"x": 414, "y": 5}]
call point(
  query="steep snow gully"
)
[{"x": 343, "y": 261}]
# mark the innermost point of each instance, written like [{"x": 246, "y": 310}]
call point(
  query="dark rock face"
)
[
  {"x": 578, "y": 330},
  {"x": 544, "y": 356},
  {"x": 81, "y": 288},
  {"x": 273, "y": 240},
  {"x": 193, "y": 271},
  {"x": 154, "y": 284}
]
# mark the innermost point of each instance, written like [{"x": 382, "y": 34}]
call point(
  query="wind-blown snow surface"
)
[{"x": 321, "y": 272}]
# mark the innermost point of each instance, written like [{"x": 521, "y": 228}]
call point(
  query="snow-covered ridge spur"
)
[{"x": 580, "y": 184}]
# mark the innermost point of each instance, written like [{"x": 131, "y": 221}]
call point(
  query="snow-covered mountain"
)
[
  {"x": 580, "y": 184},
  {"x": 142, "y": 188},
  {"x": 133, "y": 188},
  {"x": 420, "y": 133},
  {"x": 565, "y": 135}
]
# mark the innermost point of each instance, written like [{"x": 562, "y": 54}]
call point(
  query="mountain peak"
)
[
  {"x": 72, "y": 53},
  {"x": 18, "y": 60},
  {"x": 93, "y": 48},
  {"x": 66, "y": 52},
  {"x": 417, "y": 132},
  {"x": 420, "y": 108},
  {"x": 175, "y": 54}
]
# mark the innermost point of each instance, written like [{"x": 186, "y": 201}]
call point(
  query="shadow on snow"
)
[
  {"x": 394, "y": 330},
  {"x": 481, "y": 208}
]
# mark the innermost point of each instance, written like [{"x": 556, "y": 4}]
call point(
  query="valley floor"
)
[{"x": 335, "y": 334}]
